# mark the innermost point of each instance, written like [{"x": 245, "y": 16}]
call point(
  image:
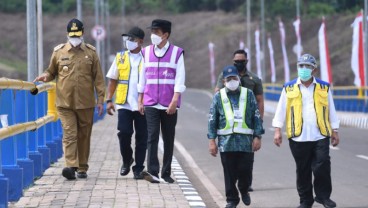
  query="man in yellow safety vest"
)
[{"x": 124, "y": 74}]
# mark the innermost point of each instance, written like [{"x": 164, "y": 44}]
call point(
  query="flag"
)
[
  {"x": 357, "y": 53},
  {"x": 272, "y": 60},
  {"x": 299, "y": 47},
  {"x": 258, "y": 54},
  {"x": 241, "y": 45},
  {"x": 324, "y": 55},
  {"x": 284, "y": 54},
  {"x": 212, "y": 63}
]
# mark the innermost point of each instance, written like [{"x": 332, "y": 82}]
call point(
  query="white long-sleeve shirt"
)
[
  {"x": 179, "y": 78},
  {"x": 310, "y": 130}
]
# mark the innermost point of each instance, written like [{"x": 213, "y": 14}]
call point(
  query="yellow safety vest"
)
[
  {"x": 124, "y": 67},
  {"x": 231, "y": 125},
  {"x": 294, "y": 108}
]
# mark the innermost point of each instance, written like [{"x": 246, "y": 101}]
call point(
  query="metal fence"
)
[{"x": 348, "y": 98}]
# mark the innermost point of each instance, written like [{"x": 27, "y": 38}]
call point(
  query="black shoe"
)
[
  {"x": 150, "y": 177},
  {"x": 327, "y": 203},
  {"x": 304, "y": 206},
  {"x": 138, "y": 176},
  {"x": 250, "y": 189},
  {"x": 168, "y": 179},
  {"x": 246, "y": 199},
  {"x": 69, "y": 173},
  {"x": 82, "y": 174},
  {"x": 125, "y": 168},
  {"x": 231, "y": 205}
]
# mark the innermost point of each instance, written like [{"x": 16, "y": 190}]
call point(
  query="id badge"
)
[{"x": 238, "y": 116}]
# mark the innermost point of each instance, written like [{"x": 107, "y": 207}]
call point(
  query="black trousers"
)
[
  {"x": 237, "y": 168},
  {"x": 312, "y": 157},
  {"x": 251, "y": 171},
  {"x": 157, "y": 119},
  {"x": 126, "y": 118}
]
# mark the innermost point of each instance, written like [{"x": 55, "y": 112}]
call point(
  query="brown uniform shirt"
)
[{"x": 78, "y": 73}]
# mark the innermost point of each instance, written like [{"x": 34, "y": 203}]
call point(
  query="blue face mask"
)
[{"x": 304, "y": 74}]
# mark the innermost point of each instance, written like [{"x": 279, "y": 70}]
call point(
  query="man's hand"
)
[
  {"x": 110, "y": 108},
  {"x": 212, "y": 147},
  {"x": 100, "y": 109},
  {"x": 43, "y": 78},
  {"x": 335, "y": 139},
  {"x": 257, "y": 143},
  {"x": 141, "y": 108},
  {"x": 277, "y": 138},
  {"x": 172, "y": 107}
]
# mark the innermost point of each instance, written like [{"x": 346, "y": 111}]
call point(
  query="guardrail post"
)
[
  {"x": 21, "y": 116},
  {"x": 4, "y": 184},
  {"x": 51, "y": 110},
  {"x": 34, "y": 154},
  {"x": 57, "y": 139},
  {"x": 8, "y": 150},
  {"x": 4, "y": 188},
  {"x": 42, "y": 148},
  {"x": 59, "y": 135},
  {"x": 50, "y": 142}
]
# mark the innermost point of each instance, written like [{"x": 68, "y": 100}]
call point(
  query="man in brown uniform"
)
[{"x": 76, "y": 68}]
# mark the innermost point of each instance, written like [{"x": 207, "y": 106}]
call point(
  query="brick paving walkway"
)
[{"x": 104, "y": 187}]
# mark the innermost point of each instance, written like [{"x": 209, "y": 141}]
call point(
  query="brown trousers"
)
[{"x": 77, "y": 128}]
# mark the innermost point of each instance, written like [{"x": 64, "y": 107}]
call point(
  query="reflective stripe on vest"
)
[
  {"x": 294, "y": 110},
  {"x": 124, "y": 67},
  {"x": 239, "y": 127},
  {"x": 160, "y": 74}
]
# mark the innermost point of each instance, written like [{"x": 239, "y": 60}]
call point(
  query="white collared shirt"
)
[
  {"x": 113, "y": 73},
  {"x": 310, "y": 130},
  {"x": 179, "y": 78}
]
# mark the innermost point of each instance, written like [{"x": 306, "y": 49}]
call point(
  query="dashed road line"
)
[
  {"x": 363, "y": 157},
  {"x": 190, "y": 193}
]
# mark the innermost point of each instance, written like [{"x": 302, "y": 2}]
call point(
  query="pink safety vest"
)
[{"x": 160, "y": 75}]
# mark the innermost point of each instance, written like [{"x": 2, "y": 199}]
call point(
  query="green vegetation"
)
[
  {"x": 310, "y": 8},
  {"x": 16, "y": 65}
]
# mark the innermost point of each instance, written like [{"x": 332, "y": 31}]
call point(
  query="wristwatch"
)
[{"x": 108, "y": 101}]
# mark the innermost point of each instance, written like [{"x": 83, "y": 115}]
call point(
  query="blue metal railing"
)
[
  {"x": 350, "y": 99},
  {"x": 25, "y": 156}
]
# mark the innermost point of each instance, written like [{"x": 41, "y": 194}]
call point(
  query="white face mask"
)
[
  {"x": 232, "y": 85},
  {"x": 75, "y": 41},
  {"x": 131, "y": 45},
  {"x": 155, "y": 39}
]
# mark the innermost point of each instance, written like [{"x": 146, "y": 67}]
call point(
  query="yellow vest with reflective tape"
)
[
  {"x": 231, "y": 125},
  {"x": 294, "y": 110},
  {"x": 124, "y": 67}
]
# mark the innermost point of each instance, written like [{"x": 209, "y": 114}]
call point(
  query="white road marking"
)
[
  {"x": 182, "y": 180},
  {"x": 215, "y": 193},
  {"x": 363, "y": 157}
]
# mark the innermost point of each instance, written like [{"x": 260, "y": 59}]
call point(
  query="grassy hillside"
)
[{"x": 192, "y": 31}]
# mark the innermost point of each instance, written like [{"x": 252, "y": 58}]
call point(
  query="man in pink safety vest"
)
[{"x": 161, "y": 83}]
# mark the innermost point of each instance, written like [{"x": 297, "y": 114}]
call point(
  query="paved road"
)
[{"x": 274, "y": 169}]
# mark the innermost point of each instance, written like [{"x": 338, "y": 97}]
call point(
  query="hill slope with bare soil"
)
[{"x": 191, "y": 31}]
